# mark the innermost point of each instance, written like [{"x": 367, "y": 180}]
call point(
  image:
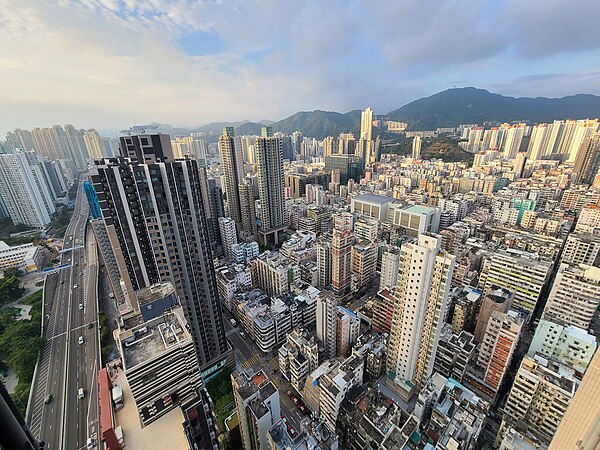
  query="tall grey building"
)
[
  {"x": 269, "y": 163},
  {"x": 212, "y": 196},
  {"x": 156, "y": 220},
  {"x": 247, "y": 207},
  {"x": 231, "y": 158},
  {"x": 25, "y": 189}
]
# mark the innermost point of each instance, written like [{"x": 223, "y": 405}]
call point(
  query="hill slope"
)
[
  {"x": 319, "y": 124},
  {"x": 470, "y": 105}
]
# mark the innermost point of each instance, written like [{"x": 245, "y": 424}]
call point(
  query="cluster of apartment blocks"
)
[{"x": 400, "y": 203}]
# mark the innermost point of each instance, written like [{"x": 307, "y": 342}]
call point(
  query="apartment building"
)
[{"x": 575, "y": 296}]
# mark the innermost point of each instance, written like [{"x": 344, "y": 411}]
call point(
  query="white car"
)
[
  {"x": 81, "y": 306},
  {"x": 74, "y": 286},
  {"x": 80, "y": 339}
]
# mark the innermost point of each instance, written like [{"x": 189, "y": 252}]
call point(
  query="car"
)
[
  {"x": 81, "y": 306},
  {"x": 242, "y": 334},
  {"x": 90, "y": 325},
  {"x": 80, "y": 340},
  {"x": 75, "y": 286},
  {"x": 48, "y": 398},
  {"x": 89, "y": 444},
  {"x": 62, "y": 281},
  {"x": 80, "y": 393},
  {"x": 80, "y": 274}
]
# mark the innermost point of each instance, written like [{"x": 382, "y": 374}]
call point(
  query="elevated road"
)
[{"x": 68, "y": 363}]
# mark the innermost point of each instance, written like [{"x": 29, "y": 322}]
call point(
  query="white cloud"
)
[{"x": 110, "y": 63}]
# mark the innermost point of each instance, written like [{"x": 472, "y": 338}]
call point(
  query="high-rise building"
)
[
  {"x": 587, "y": 160},
  {"x": 76, "y": 144},
  {"x": 390, "y": 260},
  {"x": 269, "y": 165},
  {"x": 495, "y": 299},
  {"x": 588, "y": 220},
  {"x": 147, "y": 148},
  {"x": 258, "y": 407},
  {"x": 451, "y": 416},
  {"x": 233, "y": 164},
  {"x": 500, "y": 340},
  {"x": 566, "y": 344},
  {"x": 341, "y": 253},
  {"x": 581, "y": 249},
  {"x": 454, "y": 353},
  {"x": 539, "y": 398},
  {"x": 228, "y": 235},
  {"x": 273, "y": 273},
  {"x": 298, "y": 357},
  {"x": 25, "y": 191},
  {"x": 579, "y": 426},
  {"x": 512, "y": 140},
  {"x": 248, "y": 210},
  {"x": 523, "y": 273},
  {"x": 326, "y": 322},
  {"x": 94, "y": 145},
  {"x": 383, "y": 309},
  {"x": 575, "y": 296},
  {"x": 347, "y": 330},
  {"x": 366, "y": 125},
  {"x": 421, "y": 303},
  {"x": 416, "y": 147},
  {"x": 537, "y": 141},
  {"x": 324, "y": 261},
  {"x": 212, "y": 196},
  {"x": 583, "y": 130},
  {"x": 156, "y": 222}
]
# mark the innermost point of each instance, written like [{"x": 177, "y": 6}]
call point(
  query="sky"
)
[{"x": 109, "y": 64}]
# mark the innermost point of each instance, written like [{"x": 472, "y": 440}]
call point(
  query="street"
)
[
  {"x": 249, "y": 357},
  {"x": 70, "y": 358}
]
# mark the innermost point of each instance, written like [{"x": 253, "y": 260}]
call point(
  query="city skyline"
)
[{"x": 189, "y": 64}]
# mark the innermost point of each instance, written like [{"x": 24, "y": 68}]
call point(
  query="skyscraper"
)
[
  {"x": 587, "y": 160},
  {"x": 76, "y": 144},
  {"x": 95, "y": 146},
  {"x": 248, "y": 210},
  {"x": 575, "y": 296},
  {"x": 326, "y": 322},
  {"x": 366, "y": 125},
  {"x": 579, "y": 427},
  {"x": 212, "y": 196},
  {"x": 147, "y": 148},
  {"x": 228, "y": 235},
  {"x": 341, "y": 248},
  {"x": 420, "y": 305},
  {"x": 269, "y": 165},
  {"x": 416, "y": 147},
  {"x": 155, "y": 219},
  {"x": 25, "y": 190},
  {"x": 231, "y": 158}
]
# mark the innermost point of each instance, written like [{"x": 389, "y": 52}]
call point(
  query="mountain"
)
[
  {"x": 218, "y": 126},
  {"x": 470, "y": 105},
  {"x": 249, "y": 129},
  {"x": 319, "y": 124}
]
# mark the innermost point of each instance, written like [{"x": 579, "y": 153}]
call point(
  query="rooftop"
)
[
  {"x": 373, "y": 198},
  {"x": 420, "y": 209},
  {"x": 154, "y": 292},
  {"x": 153, "y": 338}
]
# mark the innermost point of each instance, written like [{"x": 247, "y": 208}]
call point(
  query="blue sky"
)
[{"x": 109, "y": 63}]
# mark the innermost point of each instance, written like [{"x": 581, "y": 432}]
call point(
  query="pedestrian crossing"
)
[
  {"x": 258, "y": 360},
  {"x": 250, "y": 362}
]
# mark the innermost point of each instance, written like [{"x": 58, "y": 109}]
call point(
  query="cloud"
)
[
  {"x": 110, "y": 63},
  {"x": 550, "y": 85}
]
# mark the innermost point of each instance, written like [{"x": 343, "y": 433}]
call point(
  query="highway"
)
[{"x": 66, "y": 364}]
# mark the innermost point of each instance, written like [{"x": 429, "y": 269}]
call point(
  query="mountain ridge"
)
[{"x": 448, "y": 108}]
